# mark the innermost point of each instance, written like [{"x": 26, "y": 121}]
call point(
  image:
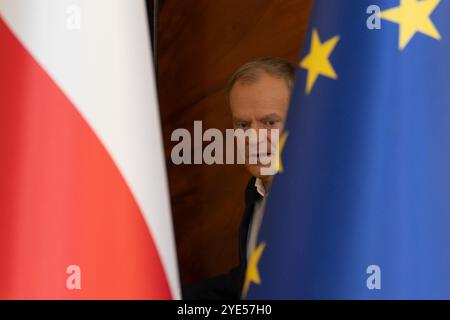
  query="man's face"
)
[{"x": 260, "y": 105}]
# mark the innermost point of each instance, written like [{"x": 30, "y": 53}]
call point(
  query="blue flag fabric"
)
[{"x": 362, "y": 207}]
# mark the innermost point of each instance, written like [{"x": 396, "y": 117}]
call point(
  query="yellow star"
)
[
  {"x": 413, "y": 16},
  {"x": 317, "y": 61},
  {"x": 278, "y": 163},
  {"x": 252, "y": 273}
]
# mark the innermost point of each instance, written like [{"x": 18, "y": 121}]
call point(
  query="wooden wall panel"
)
[{"x": 200, "y": 43}]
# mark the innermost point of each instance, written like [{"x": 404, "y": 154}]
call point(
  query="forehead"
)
[{"x": 268, "y": 94}]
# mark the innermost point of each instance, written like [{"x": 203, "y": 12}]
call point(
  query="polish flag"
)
[{"x": 84, "y": 205}]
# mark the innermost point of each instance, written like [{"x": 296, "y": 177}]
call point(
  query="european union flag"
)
[{"x": 362, "y": 207}]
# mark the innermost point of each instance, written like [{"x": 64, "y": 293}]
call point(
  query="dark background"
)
[{"x": 197, "y": 45}]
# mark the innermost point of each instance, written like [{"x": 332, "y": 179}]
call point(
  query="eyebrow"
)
[
  {"x": 272, "y": 116},
  {"x": 239, "y": 120}
]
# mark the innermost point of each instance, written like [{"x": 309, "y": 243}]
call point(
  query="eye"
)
[
  {"x": 270, "y": 123},
  {"x": 242, "y": 125}
]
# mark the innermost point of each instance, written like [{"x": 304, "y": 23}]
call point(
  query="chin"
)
[{"x": 255, "y": 170}]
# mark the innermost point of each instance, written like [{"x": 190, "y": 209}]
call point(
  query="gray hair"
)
[{"x": 250, "y": 72}]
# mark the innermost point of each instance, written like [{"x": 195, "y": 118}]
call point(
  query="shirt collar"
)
[{"x": 259, "y": 185}]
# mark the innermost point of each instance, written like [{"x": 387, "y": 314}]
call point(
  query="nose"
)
[{"x": 263, "y": 139}]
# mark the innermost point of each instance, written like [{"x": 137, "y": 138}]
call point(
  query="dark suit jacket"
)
[{"x": 228, "y": 286}]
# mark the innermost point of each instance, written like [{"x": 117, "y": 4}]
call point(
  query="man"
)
[{"x": 258, "y": 95}]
